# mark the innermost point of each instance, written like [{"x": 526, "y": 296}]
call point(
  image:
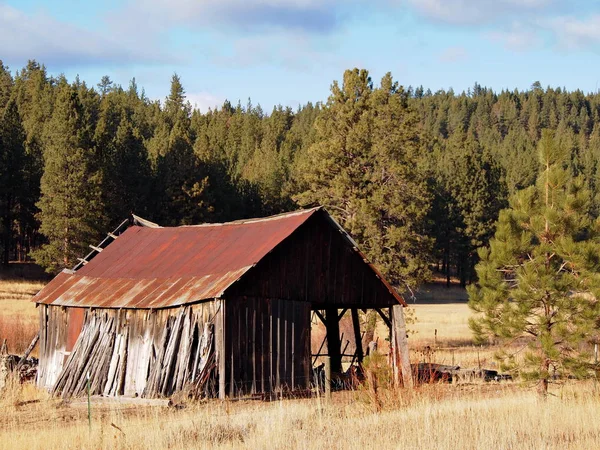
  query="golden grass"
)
[
  {"x": 466, "y": 416},
  {"x": 18, "y": 315},
  {"x": 433, "y": 416}
]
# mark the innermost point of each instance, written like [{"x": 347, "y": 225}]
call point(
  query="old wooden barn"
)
[{"x": 218, "y": 309}]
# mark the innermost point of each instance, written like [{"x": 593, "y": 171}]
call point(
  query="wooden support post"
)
[
  {"x": 333, "y": 339},
  {"x": 220, "y": 347},
  {"x": 401, "y": 359},
  {"x": 328, "y": 377},
  {"x": 357, "y": 336}
]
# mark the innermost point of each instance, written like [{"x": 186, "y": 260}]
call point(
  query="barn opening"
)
[{"x": 214, "y": 309}]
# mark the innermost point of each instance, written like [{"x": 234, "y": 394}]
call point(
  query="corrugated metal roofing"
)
[
  {"x": 156, "y": 267},
  {"x": 163, "y": 267}
]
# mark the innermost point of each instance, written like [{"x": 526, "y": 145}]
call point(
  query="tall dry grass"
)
[
  {"x": 18, "y": 315},
  {"x": 440, "y": 417}
]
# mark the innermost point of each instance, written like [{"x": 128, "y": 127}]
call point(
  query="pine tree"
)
[
  {"x": 12, "y": 166},
  {"x": 539, "y": 280},
  {"x": 71, "y": 211},
  {"x": 362, "y": 169}
]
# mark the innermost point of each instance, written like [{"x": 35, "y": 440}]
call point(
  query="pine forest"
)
[{"x": 417, "y": 177}]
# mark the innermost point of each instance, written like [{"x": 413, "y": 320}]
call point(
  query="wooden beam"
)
[
  {"x": 342, "y": 314},
  {"x": 83, "y": 261},
  {"x": 320, "y": 316},
  {"x": 114, "y": 236},
  {"x": 385, "y": 318},
  {"x": 357, "y": 336},
  {"x": 93, "y": 247}
]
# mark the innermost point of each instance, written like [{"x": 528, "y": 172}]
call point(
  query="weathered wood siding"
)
[
  {"x": 133, "y": 352},
  {"x": 267, "y": 344},
  {"x": 317, "y": 265},
  {"x": 53, "y": 344}
]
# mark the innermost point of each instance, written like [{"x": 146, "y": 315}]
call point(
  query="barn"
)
[{"x": 216, "y": 309}]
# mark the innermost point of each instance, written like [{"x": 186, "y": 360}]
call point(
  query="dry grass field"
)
[
  {"x": 18, "y": 316},
  {"x": 467, "y": 416}
]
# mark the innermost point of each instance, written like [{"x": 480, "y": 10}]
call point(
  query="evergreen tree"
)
[
  {"x": 539, "y": 280},
  {"x": 71, "y": 211},
  {"x": 12, "y": 166},
  {"x": 361, "y": 168}
]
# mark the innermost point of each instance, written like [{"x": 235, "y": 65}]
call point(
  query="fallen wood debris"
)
[
  {"x": 432, "y": 372},
  {"x": 22, "y": 366}
]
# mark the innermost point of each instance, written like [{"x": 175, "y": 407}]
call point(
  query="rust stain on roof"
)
[
  {"x": 156, "y": 267},
  {"x": 160, "y": 267}
]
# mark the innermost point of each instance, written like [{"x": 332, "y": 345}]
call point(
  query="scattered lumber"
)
[{"x": 432, "y": 372}]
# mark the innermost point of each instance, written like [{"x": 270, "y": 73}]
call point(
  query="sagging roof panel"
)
[{"x": 155, "y": 267}]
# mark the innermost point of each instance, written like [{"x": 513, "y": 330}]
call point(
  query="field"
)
[
  {"x": 18, "y": 316},
  {"x": 467, "y": 416}
]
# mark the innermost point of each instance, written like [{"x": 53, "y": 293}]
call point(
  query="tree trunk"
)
[{"x": 543, "y": 387}]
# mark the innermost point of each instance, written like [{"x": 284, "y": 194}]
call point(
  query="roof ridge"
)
[{"x": 253, "y": 220}]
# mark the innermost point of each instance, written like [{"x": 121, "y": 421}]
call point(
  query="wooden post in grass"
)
[
  {"x": 89, "y": 403},
  {"x": 400, "y": 356}
]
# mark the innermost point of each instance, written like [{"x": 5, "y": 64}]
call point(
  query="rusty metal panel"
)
[
  {"x": 165, "y": 267},
  {"x": 75, "y": 321}
]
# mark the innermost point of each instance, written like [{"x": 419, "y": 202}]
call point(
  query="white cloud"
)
[
  {"x": 453, "y": 54},
  {"x": 42, "y": 37},
  {"x": 205, "y": 100}
]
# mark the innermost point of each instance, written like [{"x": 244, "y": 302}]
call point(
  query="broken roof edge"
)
[
  {"x": 137, "y": 220},
  {"x": 140, "y": 221}
]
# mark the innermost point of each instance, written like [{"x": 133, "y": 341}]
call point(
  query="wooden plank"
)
[
  {"x": 253, "y": 346},
  {"x": 220, "y": 346}
]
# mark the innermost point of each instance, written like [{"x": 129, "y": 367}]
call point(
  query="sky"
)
[{"x": 289, "y": 52}]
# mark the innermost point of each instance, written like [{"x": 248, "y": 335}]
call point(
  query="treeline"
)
[{"x": 418, "y": 178}]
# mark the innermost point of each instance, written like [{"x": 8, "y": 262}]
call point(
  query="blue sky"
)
[{"x": 289, "y": 51}]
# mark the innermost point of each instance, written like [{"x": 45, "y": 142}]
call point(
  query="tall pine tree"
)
[
  {"x": 12, "y": 166},
  {"x": 362, "y": 169},
  {"x": 539, "y": 280},
  {"x": 71, "y": 210}
]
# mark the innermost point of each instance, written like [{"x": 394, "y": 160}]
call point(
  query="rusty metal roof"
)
[
  {"x": 163, "y": 267},
  {"x": 156, "y": 267}
]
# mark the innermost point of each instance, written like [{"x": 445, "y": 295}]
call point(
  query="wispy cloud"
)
[
  {"x": 453, "y": 55},
  {"x": 518, "y": 37},
  {"x": 40, "y": 36},
  {"x": 475, "y": 12},
  {"x": 310, "y": 16},
  {"x": 573, "y": 33}
]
